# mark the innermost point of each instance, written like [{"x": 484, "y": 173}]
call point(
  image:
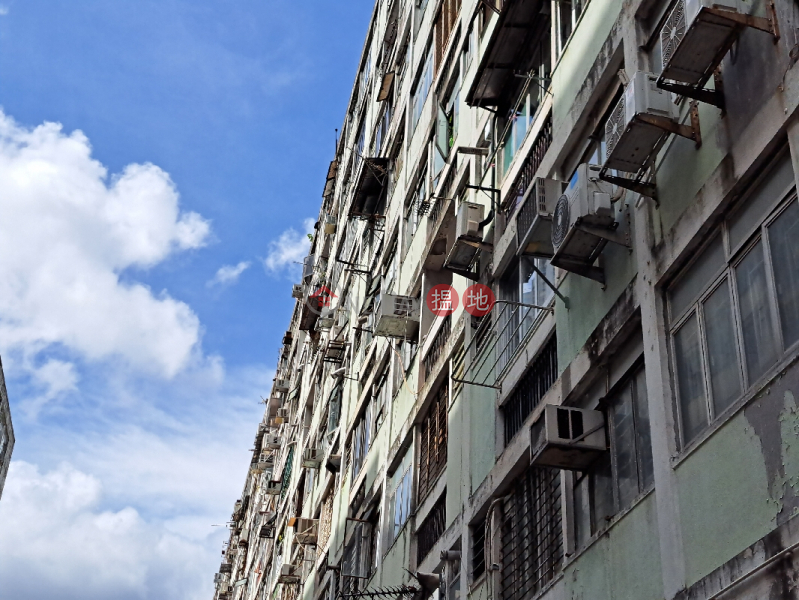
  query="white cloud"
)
[
  {"x": 289, "y": 249},
  {"x": 228, "y": 274},
  {"x": 59, "y": 542},
  {"x": 3, "y": 10},
  {"x": 68, "y": 233}
]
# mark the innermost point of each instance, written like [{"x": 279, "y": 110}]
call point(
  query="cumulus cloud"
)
[
  {"x": 56, "y": 533},
  {"x": 228, "y": 274},
  {"x": 68, "y": 234},
  {"x": 288, "y": 250}
]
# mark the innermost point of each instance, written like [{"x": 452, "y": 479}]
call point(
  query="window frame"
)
[{"x": 733, "y": 256}]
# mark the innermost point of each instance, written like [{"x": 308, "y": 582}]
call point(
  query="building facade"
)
[
  {"x": 623, "y": 422},
  {"x": 6, "y": 432}
]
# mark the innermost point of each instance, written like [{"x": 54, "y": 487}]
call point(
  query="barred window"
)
[
  {"x": 431, "y": 529},
  {"x": 433, "y": 446},
  {"x": 325, "y": 521},
  {"x": 532, "y": 540},
  {"x": 478, "y": 549},
  {"x": 528, "y": 393}
]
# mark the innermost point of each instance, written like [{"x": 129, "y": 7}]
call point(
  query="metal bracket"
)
[
  {"x": 589, "y": 271},
  {"x": 714, "y": 97},
  {"x": 691, "y": 131},
  {"x": 479, "y": 245},
  {"x": 623, "y": 239},
  {"x": 551, "y": 286},
  {"x": 463, "y": 273},
  {"x": 768, "y": 24},
  {"x": 484, "y": 189},
  {"x": 639, "y": 187}
]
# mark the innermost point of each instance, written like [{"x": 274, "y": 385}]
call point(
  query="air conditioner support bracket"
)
[
  {"x": 581, "y": 268},
  {"x": 768, "y": 24},
  {"x": 551, "y": 286},
  {"x": 691, "y": 131},
  {"x": 463, "y": 273},
  {"x": 611, "y": 235},
  {"x": 713, "y": 97},
  {"x": 479, "y": 245},
  {"x": 639, "y": 187}
]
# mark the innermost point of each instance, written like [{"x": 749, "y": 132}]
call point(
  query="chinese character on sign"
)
[
  {"x": 442, "y": 300},
  {"x": 478, "y": 300}
]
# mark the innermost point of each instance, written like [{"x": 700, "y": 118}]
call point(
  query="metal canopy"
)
[
  {"x": 369, "y": 186},
  {"x": 517, "y": 20}
]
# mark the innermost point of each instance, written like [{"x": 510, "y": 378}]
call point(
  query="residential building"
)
[
  {"x": 6, "y": 432},
  {"x": 623, "y": 422}
]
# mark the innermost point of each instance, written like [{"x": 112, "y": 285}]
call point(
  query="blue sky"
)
[{"x": 159, "y": 162}]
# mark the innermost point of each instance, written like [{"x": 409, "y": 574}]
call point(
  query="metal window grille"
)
[
  {"x": 531, "y": 537},
  {"x": 530, "y": 166},
  {"x": 433, "y": 447},
  {"x": 528, "y": 393},
  {"x": 478, "y": 549},
  {"x": 437, "y": 346},
  {"x": 325, "y": 521},
  {"x": 287, "y": 473},
  {"x": 431, "y": 529}
]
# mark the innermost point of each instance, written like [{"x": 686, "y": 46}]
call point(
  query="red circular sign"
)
[
  {"x": 478, "y": 300},
  {"x": 442, "y": 300}
]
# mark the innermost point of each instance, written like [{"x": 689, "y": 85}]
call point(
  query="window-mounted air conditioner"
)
[
  {"x": 312, "y": 458},
  {"x": 288, "y": 574},
  {"x": 306, "y": 531},
  {"x": 632, "y": 132},
  {"x": 468, "y": 219},
  {"x": 397, "y": 316},
  {"x": 567, "y": 438},
  {"x": 696, "y": 36},
  {"x": 330, "y": 224},
  {"x": 220, "y": 578},
  {"x": 226, "y": 568},
  {"x": 273, "y": 488},
  {"x": 297, "y": 291},
  {"x": 224, "y": 587},
  {"x": 281, "y": 385},
  {"x": 333, "y": 463},
  {"x": 307, "y": 268},
  {"x": 272, "y": 442},
  {"x": 534, "y": 218},
  {"x": 325, "y": 323},
  {"x": 267, "y": 532},
  {"x": 283, "y": 413},
  {"x": 583, "y": 215}
]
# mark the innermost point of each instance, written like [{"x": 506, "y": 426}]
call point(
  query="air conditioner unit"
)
[
  {"x": 325, "y": 323},
  {"x": 330, "y": 224},
  {"x": 297, "y": 291},
  {"x": 283, "y": 413},
  {"x": 696, "y": 36},
  {"x": 272, "y": 442},
  {"x": 224, "y": 587},
  {"x": 631, "y": 131},
  {"x": 312, "y": 458},
  {"x": 306, "y": 531},
  {"x": 226, "y": 568},
  {"x": 582, "y": 214},
  {"x": 307, "y": 268},
  {"x": 267, "y": 532},
  {"x": 287, "y": 574},
  {"x": 567, "y": 438},
  {"x": 220, "y": 578},
  {"x": 468, "y": 219},
  {"x": 534, "y": 218},
  {"x": 281, "y": 385},
  {"x": 273, "y": 488},
  {"x": 333, "y": 463},
  {"x": 244, "y": 538},
  {"x": 397, "y": 316}
]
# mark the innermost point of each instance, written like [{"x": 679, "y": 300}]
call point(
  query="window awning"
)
[
  {"x": 369, "y": 186},
  {"x": 516, "y": 22}
]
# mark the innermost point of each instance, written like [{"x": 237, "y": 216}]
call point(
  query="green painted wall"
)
[
  {"x": 623, "y": 564},
  {"x": 455, "y": 475}
]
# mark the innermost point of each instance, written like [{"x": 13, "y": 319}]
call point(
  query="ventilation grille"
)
[
  {"x": 560, "y": 224},
  {"x": 615, "y": 126},
  {"x": 672, "y": 33}
]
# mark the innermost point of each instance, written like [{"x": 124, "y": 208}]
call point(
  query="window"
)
[
  {"x": 620, "y": 476},
  {"x": 400, "y": 500},
  {"x": 445, "y": 23},
  {"x": 382, "y": 127},
  {"x": 390, "y": 269},
  {"x": 431, "y": 529},
  {"x": 422, "y": 88},
  {"x": 522, "y": 284},
  {"x": 536, "y": 381},
  {"x": 469, "y": 49},
  {"x": 478, "y": 549},
  {"x": 447, "y": 124},
  {"x": 433, "y": 442},
  {"x": 531, "y": 534},
  {"x": 735, "y": 309},
  {"x": 412, "y": 217},
  {"x": 566, "y": 16},
  {"x": 524, "y": 103},
  {"x": 362, "y": 436}
]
